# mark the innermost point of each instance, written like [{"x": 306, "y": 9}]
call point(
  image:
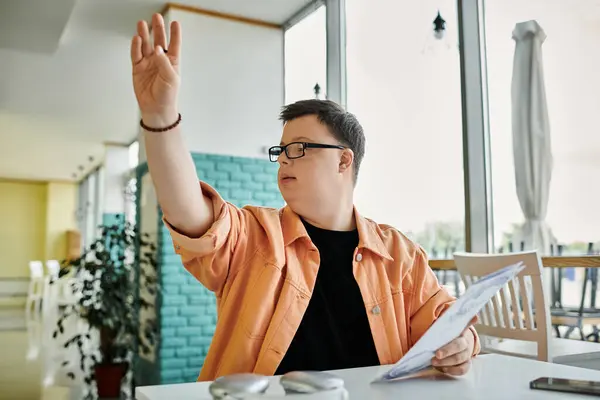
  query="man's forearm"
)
[
  {"x": 174, "y": 176},
  {"x": 156, "y": 81}
]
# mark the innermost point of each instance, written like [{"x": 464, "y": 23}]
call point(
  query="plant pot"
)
[{"x": 108, "y": 379}]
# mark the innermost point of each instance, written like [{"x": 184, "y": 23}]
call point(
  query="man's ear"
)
[{"x": 346, "y": 160}]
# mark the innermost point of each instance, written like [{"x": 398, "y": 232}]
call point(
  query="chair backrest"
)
[
  {"x": 36, "y": 269},
  {"x": 53, "y": 267},
  {"x": 518, "y": 311}
]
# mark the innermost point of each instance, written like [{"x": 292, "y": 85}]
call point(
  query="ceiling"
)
[{"x": 65, "y": 86}]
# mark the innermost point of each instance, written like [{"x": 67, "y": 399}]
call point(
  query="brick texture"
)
[{"x": 188, "y": 310}]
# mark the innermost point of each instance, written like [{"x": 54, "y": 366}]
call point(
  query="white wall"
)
[{"x": 232, "y": 85}]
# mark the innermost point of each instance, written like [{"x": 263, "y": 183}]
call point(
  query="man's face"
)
[{"x": 313, "y": 179}]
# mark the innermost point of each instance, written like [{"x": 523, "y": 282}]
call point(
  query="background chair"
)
[
  {"x": 519, "y": 310},
  {"x": 33, "y": 305},
  {"x": 57, "y": 360},
  {"x": 520, "y": 313},
  {"x": 57, "y": 291},
  {"x": 575, "y": 318},
  {"x": 33, "y": 309}
]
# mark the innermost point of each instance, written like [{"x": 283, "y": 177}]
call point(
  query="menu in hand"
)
[{"x": 451, "y": 323}]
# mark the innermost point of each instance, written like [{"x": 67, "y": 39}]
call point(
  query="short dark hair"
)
[{"x": 343, "y": 125}]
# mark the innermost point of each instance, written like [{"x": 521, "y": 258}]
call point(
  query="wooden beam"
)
[
  {"x": 218, "y": 14},
  {"x": 442, "y": 264},
  {"x": 548, "y": 262},
  {"x": 568, "y": 262}
]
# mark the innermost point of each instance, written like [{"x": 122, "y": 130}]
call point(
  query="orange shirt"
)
[{"x": 262, "y": 266}]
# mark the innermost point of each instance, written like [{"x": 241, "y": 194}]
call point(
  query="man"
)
[{"x": 314, "y": 286}]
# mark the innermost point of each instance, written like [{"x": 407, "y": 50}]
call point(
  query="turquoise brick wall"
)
[
  {"x": 109, "y": 219},
  {"x": 188, "y": 310},
  {"x": 112, "y": 218}
]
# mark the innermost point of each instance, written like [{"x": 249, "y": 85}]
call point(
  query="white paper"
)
[{"x": 451, "y": 323}]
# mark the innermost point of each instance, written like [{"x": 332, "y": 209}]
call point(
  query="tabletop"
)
[
  {"x": 492, "y": 377},
  {"x": 559, "y": 348}
]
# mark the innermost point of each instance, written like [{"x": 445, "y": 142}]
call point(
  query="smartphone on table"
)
[{"x": 566, "y": 385}]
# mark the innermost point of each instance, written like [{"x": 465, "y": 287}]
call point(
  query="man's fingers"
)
[
  {"x": 136, "y": 50},
  {"x": 453, "y": 360},
  {"x": 143, "y": 32},
  {"x": 456, "y": 346},
  {"x": 457, "y": 370},
  {"x": 158, "y": 30},
  {"x": 455, "y": 356},
  {"x": 175, "y": 41}
]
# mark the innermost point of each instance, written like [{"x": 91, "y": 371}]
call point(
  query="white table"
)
[{"x": 492, "y": 377}]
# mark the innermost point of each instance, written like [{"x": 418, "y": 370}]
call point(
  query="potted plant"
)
[{"x": 106, "y": 281}]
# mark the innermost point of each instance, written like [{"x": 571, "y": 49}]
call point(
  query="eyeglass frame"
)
[{"x": 305, "y": 145}]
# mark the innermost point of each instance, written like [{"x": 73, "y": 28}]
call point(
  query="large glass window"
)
[
  {"x": 404, "y": 86},
  {"x": 570, "y": 58},
  {"x": 134, "y": 154},
  {"x": 131, "y": 185},
  {"x": 306, "y": 58},
  {"x": 89, "y": 207}
]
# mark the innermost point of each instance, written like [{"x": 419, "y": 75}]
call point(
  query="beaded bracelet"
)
[{"x": 168, "y": 128}]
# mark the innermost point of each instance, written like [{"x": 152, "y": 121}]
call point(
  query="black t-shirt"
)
[{"x": 334, "y": 332}]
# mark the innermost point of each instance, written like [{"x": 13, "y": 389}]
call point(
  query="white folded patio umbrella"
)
[{"x": 531, "y": 135}]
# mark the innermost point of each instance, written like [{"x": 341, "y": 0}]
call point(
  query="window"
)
[
  {"x": 134, "y": 154},
  {"x": 570, "y": 54},
  {"x": 404, "y": 86},
  {"x": 306, "y": 58},
  {"x": 131, "y": 185},
  {"x": 82, "y": 201},
  {"x": 89, "y": 208}
]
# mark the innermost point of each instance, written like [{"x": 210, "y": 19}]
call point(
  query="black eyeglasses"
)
[{"x": 297, "y": 149}]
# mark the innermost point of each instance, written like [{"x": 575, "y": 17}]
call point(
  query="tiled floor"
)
[
  {"x": 19, "y": 378},
  {"x": 20, "y": 363},
  {"x": 23, "y": 365}
]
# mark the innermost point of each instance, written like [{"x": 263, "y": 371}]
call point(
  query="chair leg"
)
[
  {"x": 592, "y": 336},
  {"x": 557, "y": 331},
  {"x": 29, "y": 303}
]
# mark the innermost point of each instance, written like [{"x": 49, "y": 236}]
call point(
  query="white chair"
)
[
  {"x": 57, "y": 291},
  {"x": 33, "y": 305},
  {"x": 53, "y": 267},
  {"x": 51, "y": 289},
  {"x": 33, "y": 309},
  {"x": 519, "y": 312}
]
